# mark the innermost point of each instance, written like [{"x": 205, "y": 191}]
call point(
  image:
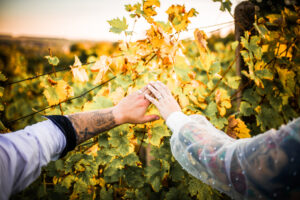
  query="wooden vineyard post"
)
[{"x": 244, "y": 16}]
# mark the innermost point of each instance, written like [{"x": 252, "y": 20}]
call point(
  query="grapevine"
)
[{"x": 135, "y": 161}]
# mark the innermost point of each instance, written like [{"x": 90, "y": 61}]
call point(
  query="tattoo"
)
[{"x": 89, "y": 124}]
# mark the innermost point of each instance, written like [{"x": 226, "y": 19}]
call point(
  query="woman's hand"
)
[
  {"x": 164, "y": 101},
  {"x": 132, "y": 109}
]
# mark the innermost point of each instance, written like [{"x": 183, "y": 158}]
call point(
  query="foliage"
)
[
  {"x": 114, "y": 164},
  {"x": 272, "y": 58}
]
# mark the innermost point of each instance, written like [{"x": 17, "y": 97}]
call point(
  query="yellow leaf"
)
[
  {"x": 287, "y": 79},
  {"x": 223, "y": 101},
  {"x": 237, "y": 128},
  {"x": 93, "y": 150},
  {"x": 101, "y": 66},
  {"x": 57, "y": 92},
  {"x": 101, "y": 182},
  {"x": 200, "y": 39},
  {"x": 179, "y": 18},
  {"x": 55, "y": 180},
  {"x": 149, "y": 7},
  {"x": 183, "y": 100},
  {"x": 78, "y": 71}
]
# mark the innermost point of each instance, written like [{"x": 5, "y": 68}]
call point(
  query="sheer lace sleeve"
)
[{"x": 263, "y": 167}]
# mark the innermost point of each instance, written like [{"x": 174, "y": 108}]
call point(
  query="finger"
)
[
  {"x": 166, "y": 89},
  {"x": 160, "y": 89},
  {"x": 152, "y": 100},
  {"x": 149, "y": 118},
  {"x": 143, "y": 90},
  {"x": 156, "y": 93}
]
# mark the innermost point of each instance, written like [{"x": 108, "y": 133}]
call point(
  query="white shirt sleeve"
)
[
  {"x": 23, "y": 153},
  {"x": 262, "y": 167}
]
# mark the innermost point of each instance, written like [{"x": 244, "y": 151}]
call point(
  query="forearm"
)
[
  {"x": 23, "y": 153},
  {"x": 89, "y": 124},
  {"x": 245, "y": 168}
]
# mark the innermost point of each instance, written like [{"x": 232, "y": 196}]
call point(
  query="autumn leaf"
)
[
  {"x": 223, "y": 101},
  {"x": 57, "y": 91},
  {"x": 237, "y": 128},
  {"x": 200, "y": 39},
  {"x": 79, "y": 73},
  {"x": 101, "y": 66},
  {"x": 149, "y": 9},
  {"x": 179, "y": 18}
]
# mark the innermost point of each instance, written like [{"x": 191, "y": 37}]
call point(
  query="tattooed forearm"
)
[{"x": 89, "y": 124}]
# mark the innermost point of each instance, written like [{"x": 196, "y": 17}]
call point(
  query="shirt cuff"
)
[
  {"x": 66, "y": 127},
  {"x": 176, "y": 120}
]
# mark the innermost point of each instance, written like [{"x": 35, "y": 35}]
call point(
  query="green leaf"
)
[
  {"x": 106, "y": 194},
  {"x": 52, "y": 60},
  {"x": 233, "y": 81},
  {"x": 215, "y": 67},
  {"x": 2, "y": 77},
  {"x": 234, "y": 45},
  {"x": 134, "y": 177},
  {"x": 158, "y": 132},
  {"x": 268, "y": 118},
  {"x": 59, "y": 164},
  {"x": 131, "y": 159},
  {"x": 124, "y": 81},
  {"x": 98, "y": 102},
  {"x": 251, "y": 96},
  {"x": 176, "y": 172},
  {"x": 262, "y": 29},
  {"x": 2, "y": 127},
  {"x": 1, "y": 106},
  {"x": 157, "y": 170},
  {"x": 264, "y": 74},
  {"x": 119, "y": 140},
  {"x": 103, "y": 158},
  {"x": 117, "y": 25},
  {"x": 246, "y": 109},
  {"x": 211, "y": 109},
  {"x": 225, "y": 5},
  {"x": 219, "y": 122},
  {"x": 182, "y": 68},
  {"x": 68, "y": 180}
]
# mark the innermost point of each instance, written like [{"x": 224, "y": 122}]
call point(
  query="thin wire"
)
[
  {"x": 70, "y": 99},
  {"x": 47, "y": 73},
  {"x": 210, "y": 26},
  {"x": 52, "y": 72}
]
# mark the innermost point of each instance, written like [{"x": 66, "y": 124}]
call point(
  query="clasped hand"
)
[{"x": 133, "y": 108}]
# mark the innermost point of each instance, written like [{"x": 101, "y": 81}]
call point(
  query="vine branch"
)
[{"x": 223, "y": 75}]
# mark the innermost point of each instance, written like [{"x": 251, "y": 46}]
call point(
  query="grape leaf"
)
[
  {"x": 118, "y": 25},
  {"x": 52, "y": 60}
]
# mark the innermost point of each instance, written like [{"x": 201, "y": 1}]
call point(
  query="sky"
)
[{"x": 87, "y": 19}]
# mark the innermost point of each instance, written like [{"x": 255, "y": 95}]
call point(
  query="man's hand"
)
[{"x": 132, "y": 109}]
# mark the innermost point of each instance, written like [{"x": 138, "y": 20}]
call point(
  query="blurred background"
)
[
  {"x": 87, "y": 20},
  {"x": 28, "y": 29}
]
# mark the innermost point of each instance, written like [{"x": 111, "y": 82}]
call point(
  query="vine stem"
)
[
  {"x": 142, "y": 141},
  {"x": 53, "y": 67},
  {"x": 223, "y": 75}
]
